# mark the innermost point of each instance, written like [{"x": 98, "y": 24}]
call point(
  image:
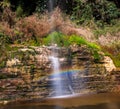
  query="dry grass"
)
[
  {"x": 33, "y": 26},
  {"x": 6, "y": 29},
  {"x": 40, "y": 26}
]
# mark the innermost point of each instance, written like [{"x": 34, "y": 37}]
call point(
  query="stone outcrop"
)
[{"x": 27, "y": 69}]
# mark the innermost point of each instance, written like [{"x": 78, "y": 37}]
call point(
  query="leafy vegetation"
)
[
  {"x": 63, "y": 40},
  {"x": 81, "y": 41},
  {"x": 112, "y": 29},
  {"x": 99, "y": 11},
  {"x": 55, "y": 38}
]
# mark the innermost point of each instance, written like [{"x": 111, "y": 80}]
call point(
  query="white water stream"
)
[{"x": 57, "y": 84}]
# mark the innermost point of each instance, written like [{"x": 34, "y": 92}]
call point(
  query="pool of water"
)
[{"x": 96, "y": 101}]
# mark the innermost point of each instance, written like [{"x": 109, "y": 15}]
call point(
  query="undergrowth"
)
[{"x": 111, "y": 29}]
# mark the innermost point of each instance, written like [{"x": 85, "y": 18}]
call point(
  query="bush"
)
[
  {"x": 56, "y": 38},
  {"x": 19, "y": 11},
  {"x": 102, "y": 10},
  {"x": 32, "y": 26}
]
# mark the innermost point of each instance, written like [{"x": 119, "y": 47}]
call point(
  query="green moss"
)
[
  {"x": 94, "y": 46},
  {"x": 81, "y": 41},
  {"x": 77, "y": 40}
]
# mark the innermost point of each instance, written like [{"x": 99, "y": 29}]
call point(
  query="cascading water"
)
[{"x": 57, "y": 84}]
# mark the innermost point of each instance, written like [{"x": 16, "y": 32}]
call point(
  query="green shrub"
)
[
  {"x": 112, "y": 29},
  {"x": 97, "y": 10},
  {"x": 56, "y": 38},
  {"x": 19, "y": 11}
]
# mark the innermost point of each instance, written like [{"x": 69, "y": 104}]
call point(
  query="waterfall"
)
[
  {"x": 57, "y": 84},
  {"x": 57, "y": 79}
]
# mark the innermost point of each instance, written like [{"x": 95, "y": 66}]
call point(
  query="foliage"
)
[
  {"x": 74, "y": 39},
  {"x": 19, "y": 11},
  {"x": 41, "y": 6},
  {"x": 103, "y": 10},
  {"x": 32, "y": 42},
  {"x": 4, "y": 39},
  {"x": 5, "y": 4},
  {"x": 112, "y": 29},
  {"x": 82, "y": 11},
  {"x": 63, "y": 40},
  {"x": 55, "y": 38},
  {"x": 4, "y": 45},
  {"x": 77, "y": 40},
  {"x": 31, "y": 27}
]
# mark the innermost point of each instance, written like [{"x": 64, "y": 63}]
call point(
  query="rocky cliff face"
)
[{"x": 25, "y": 74}]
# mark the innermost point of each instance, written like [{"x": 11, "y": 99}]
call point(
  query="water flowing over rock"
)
[{"x": 27, "y": 71}]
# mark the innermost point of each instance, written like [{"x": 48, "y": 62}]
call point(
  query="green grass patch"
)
[
  {"x": 63, "y": 40},
  {"x": 81, "y": 41}
]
